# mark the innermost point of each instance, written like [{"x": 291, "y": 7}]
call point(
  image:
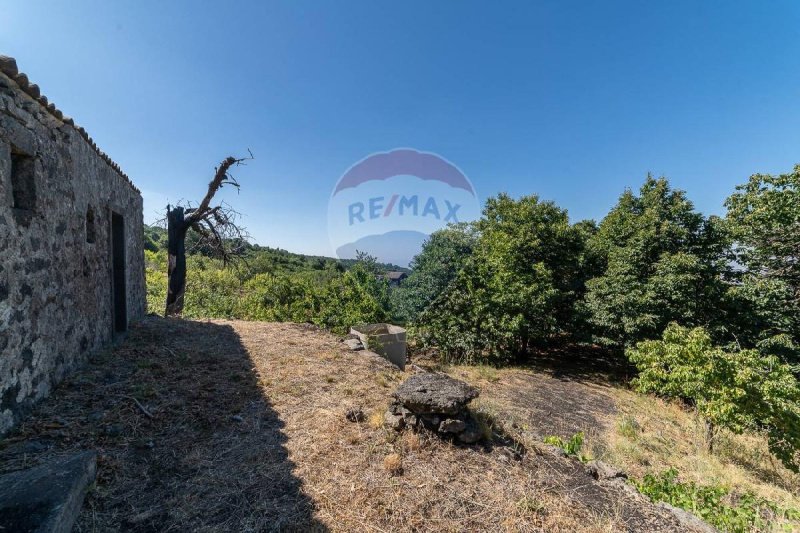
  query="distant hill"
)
[{"x": 155, "y": 240}]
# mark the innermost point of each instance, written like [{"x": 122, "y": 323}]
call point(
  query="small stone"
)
[
  {"x": 8, "y": 65},
  {"x": 354, "y": 344},
  {"x": 393, "y": 421},
  {"x": 452, "y": 425},
  {"x": 509, "y": 454},
  {"x": 237, "y": 418},
  {"x": 554, "y": 450},
  {"x": 355, "y": 414},
  {"x": 602, "y": 471}
]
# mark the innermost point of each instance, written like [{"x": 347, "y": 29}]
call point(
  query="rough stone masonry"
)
[{"x": 71, "y": 256}]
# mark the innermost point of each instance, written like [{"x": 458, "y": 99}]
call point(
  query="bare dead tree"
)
[{"x": 217, "y": 229}]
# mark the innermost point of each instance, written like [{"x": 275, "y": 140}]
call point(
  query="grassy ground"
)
[
  {"x": 637, "y": 433},
  {"x": 247, "y": 432}
]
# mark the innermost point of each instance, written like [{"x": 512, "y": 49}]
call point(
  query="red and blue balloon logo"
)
[{"x": 388, "y": 203}]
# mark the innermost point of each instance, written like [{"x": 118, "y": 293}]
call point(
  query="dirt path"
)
[{"x": 248, "y": 434}]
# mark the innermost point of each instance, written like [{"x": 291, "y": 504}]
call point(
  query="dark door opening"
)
[{"x": 118, "y": 277}]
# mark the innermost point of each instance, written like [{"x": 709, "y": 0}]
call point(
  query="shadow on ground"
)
[
  {"x": 204, "y": 452},
  {"x": 583, "y": 363}
]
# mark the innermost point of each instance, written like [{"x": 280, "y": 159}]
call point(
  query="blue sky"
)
[{"x": 573, "y": 101}]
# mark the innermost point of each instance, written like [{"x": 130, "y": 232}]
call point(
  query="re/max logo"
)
[{"x": 377, "y": 207}]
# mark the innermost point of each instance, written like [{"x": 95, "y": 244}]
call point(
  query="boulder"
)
[
  {"x": 438, "y": 403},
  {"x": 687, "y": 519},
  {"x": 434, "y": 393},
  {"x": 46, "y": 498}
]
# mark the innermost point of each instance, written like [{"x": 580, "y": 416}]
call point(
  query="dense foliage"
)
[
  {"x": 275, "y": 285},
  {"x": 663, "y": 261},
  {"x": 739, "y": 389},
  {"x": 517, "y": 288},
  {"x": 764, "y": 219}
]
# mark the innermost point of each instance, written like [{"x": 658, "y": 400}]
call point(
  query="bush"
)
[
  {"x": 571, "y": 446},
  {"x": 276, "y": 298},
  {"x": 211, "y": 292},
  {"x": 713, "y": 504},
  {"x": 356, "y": 297},
  {"x": 740, "y": 389}
]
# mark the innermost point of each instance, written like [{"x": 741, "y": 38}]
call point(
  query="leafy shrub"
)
[
  {"x": 740, "y": 390},
  {"x": 356, "y": 297},
  {"x": 442, "y": 257},
  {"x": 713, "y": 504},
  {"x": 571, "y": 446},
  {"x": 211, "y": 292},
  {"x": 279, "y": 298}
]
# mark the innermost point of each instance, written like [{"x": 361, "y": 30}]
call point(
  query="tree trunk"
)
[
  {"x": 176, "y": 250},
  {"x": 709, "y": 436}
]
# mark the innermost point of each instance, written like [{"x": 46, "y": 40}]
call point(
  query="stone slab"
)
[{"x": 46, "y": 498}]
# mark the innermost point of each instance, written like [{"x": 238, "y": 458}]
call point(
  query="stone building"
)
[{"x": 71, "y": 257}]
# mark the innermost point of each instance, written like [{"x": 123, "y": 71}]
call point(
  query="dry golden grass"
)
[
  {"x": 250, "y": 434},
  {"x": 638, "y": 433},
  {"x": 393, "y": 464},
  {"x": 650, "y": 435}
]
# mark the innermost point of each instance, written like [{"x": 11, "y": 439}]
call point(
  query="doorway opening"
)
[{"x": 118, "y": 276}]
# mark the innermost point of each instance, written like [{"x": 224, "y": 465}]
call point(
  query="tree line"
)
[{"x": 707, "y": 308}]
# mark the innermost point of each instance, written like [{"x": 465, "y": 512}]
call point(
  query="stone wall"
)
[{"x": 57, "y": 196}]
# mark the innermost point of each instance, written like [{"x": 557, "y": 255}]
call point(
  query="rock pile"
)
[{"x": 436, "y": 402}]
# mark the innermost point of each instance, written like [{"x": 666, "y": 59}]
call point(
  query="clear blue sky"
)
[{"x": 573, "y": 101}]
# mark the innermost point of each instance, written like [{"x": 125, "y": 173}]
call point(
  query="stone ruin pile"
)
[{"x": 436, "y": 402}]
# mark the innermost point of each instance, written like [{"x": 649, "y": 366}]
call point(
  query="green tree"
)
[
  {"x": 737, "y": 389},
  {"x": 660, "y": 260},
  {"x": 442, "y": 257},
  {"x": 516, "y": 289},
  {"x": 764, "y": 219}
]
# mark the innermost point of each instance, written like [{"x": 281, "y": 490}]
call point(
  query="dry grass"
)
[
  {"x": 249, "y": 434},
  {"x": 637, "y": 433},
  {"x": 651, "y": 435}
]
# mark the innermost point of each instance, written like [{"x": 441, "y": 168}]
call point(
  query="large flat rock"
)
[
  {"x": 46, "y": 498},
  {"x": 434, "y": 393}
]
